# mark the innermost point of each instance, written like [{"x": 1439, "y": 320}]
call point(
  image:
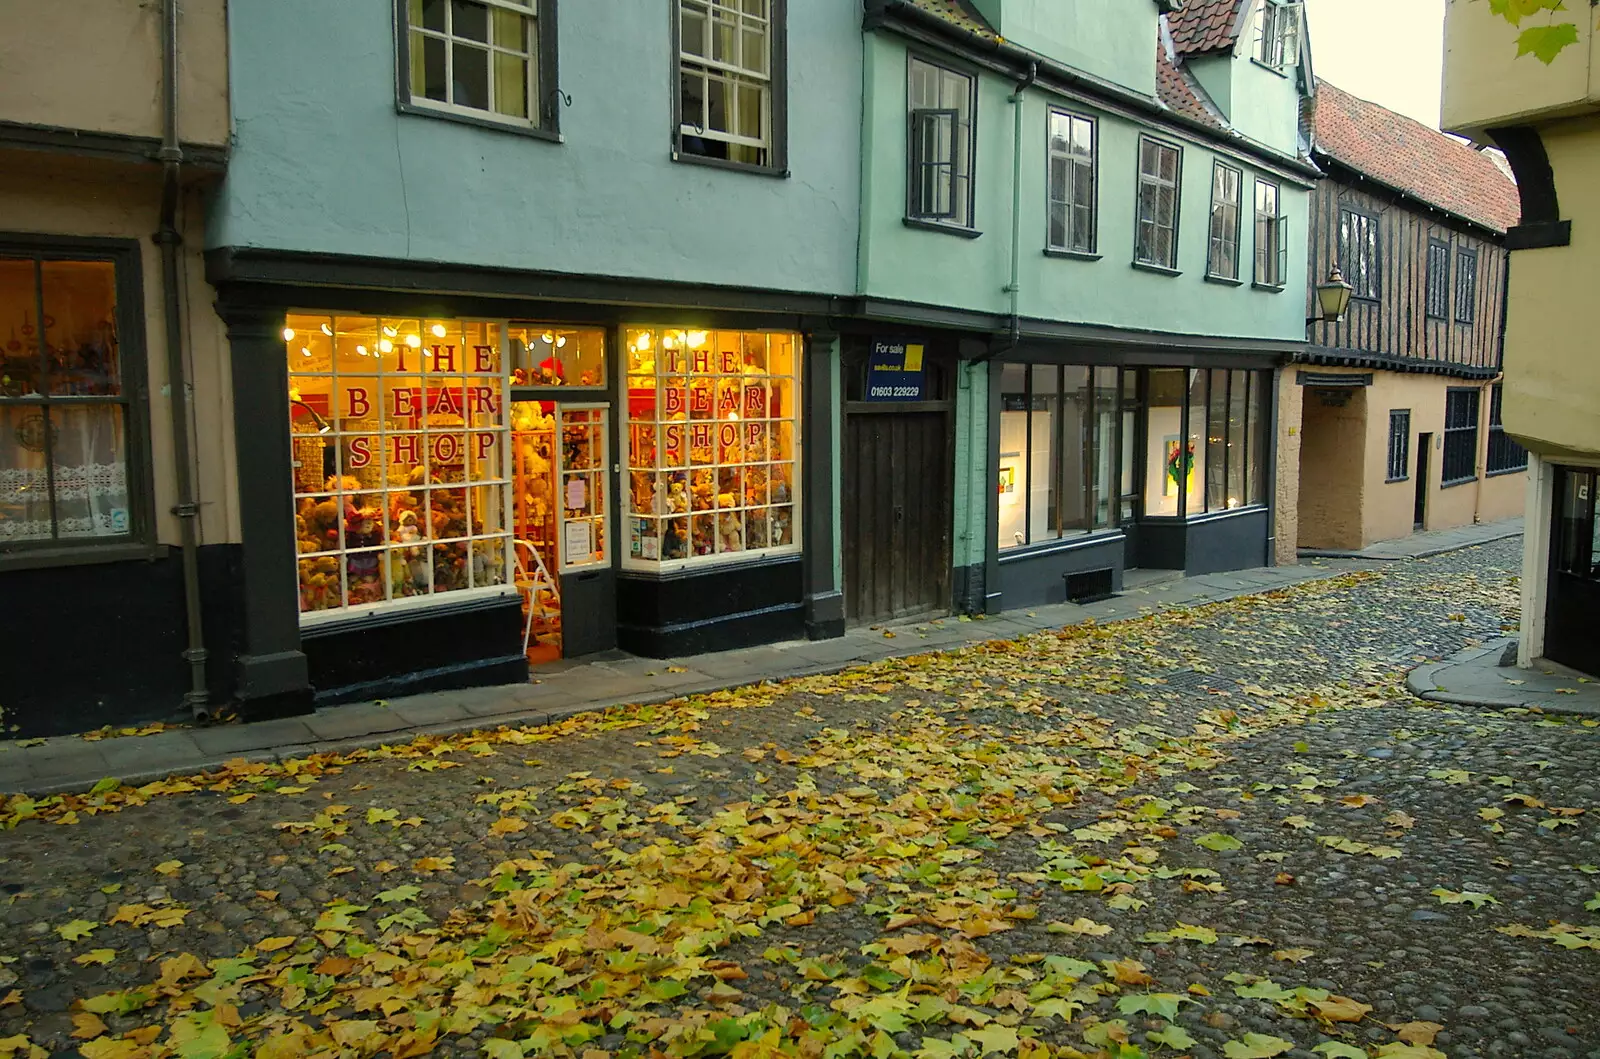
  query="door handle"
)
[{"x": 899, "y": 514}]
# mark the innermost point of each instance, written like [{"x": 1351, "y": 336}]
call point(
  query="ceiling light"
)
[
  {"x": 288, "y": 334},
  {"x": 439, "y": 331}
]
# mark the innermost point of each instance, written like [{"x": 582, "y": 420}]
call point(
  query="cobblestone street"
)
[{"x": 1225, "y": 831}]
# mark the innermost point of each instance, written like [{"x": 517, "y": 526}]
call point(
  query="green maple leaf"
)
[
  {"x": 1256, "y": 1046},
  {"x": 1175, "y": 1037},
  {"x": 1340, "y": 1050},
  {"x": 995, "y": 1038},
  {"x": 500, "y": 1048},
  {"x": 1060, "y": 1007},
  {"x": 1593, "y": 904},
  {"x": 1161, "y": 1005},
  {"x": 1546, "y": 42},
  {"x": 399, "y": 893},
  {"x": 934, "y": 1048},
  {"x": 1218, "y": 842},
  {"x": 1463, "y": 897}
]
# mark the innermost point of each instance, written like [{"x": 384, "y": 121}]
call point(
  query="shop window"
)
[
  {"x": 1156, "y": 236},
  {"x": 1072, "y": 183},
  {"x": 713, "y": 440},
  {"x": 491, "y": 59},
  {"x": 546, "y": 355},
  {"x": 1207, "y": 440},
  {"x": 401, "y": 460},
  {"x": 1460, "y": 436},
  {"x": 68, "y": 425},
  {"x": 1223, "y": 260},
  {"x": 1058, "y": 446},
  {"x": 940, "y": 105},
  {"x": 1504, "y": 453},
  {"x": 730, "y": 81}
]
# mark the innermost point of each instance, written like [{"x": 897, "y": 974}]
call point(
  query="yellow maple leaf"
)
[
  {"x": 274, "y": 944},
  {"x": 168, "y": 867},
  {"x": 508, "y": 825},
  {"x": 86, "y": 1024},
  {"x": 95, "y": 956},
  {"x": 444, "y": 863}
]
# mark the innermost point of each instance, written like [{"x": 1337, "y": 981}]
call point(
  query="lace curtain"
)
[{"x": 91, "y": 480}]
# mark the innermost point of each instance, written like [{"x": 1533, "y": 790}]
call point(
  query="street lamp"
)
[{"x": 1333, "y": 298}]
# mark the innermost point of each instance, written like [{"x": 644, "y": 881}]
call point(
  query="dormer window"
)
[{"x": 1278, "y": 33}]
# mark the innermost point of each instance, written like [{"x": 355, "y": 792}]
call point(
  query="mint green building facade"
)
[{"x": 1094, "y": 217}]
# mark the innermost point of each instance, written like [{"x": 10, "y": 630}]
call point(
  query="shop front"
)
[
  {"x": 1103, "y": 468},
  {"x": 470, "y": 495}
]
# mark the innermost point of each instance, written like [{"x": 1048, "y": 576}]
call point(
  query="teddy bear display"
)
[
  {"x": 730, "y": 533},
  {"x": 673, "y": 546},
  {"x": 703, "y": 534},
  {"x": 755, "y": 529},
  {"x": 704, "y": 490}
]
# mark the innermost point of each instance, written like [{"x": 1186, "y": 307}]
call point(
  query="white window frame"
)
[
  {"x": 1078, "y": 167},
  {"x": 659, "y": 421},
  {"x": 1278, "y": 34},
  {"x": 365, "y": 611},
  {"x": 536, "y": 21},
  {"x": 1271, "y": 236},
  {"x": 735, "y": 74},
  {"x": 602, "y": 475}
]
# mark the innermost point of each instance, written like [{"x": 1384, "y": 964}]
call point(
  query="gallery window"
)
[
  {"x": 1072, "y": 150},
  {"x": 1223, "y": 259},
  {"x": 1207, "y": 439},
  {"x": 730, "y": 104},
  {"x": 1504, "y": 453},
  {"x": 1358, "y": 252},
  {"x": 69, "y": 424},
  {"x": 940, "y": 103},
  {"x": 1272, "y": 238},
  {"x": 401, "y": 462},
  {"x": 1156, "y": 237},
  {"x": 1438, "y": 300},
  {"x": 1058, "y": 452},
  {"x": 1460, "y": 436},
  {"x": 713, "y": 439},
  {"x": 492, "y": 59},
  {"x": 1399, "y": 444},
  {"x": 1466, "y": 286}
]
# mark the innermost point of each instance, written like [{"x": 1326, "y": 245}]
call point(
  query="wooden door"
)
[{"x": 897, "y": 495}]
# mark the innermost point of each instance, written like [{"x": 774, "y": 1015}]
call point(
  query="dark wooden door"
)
[
  {"x": 1424, "y": 451},
  {"x": 1574, "y": 588},
  {"x": 897, "y": 490}
]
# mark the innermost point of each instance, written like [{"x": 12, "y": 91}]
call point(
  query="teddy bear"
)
[
  {"x": 322, "y": 524},
  {"x": 755, "y": 530},
  {"x": 703, "y": 535},
  {"x": 730, "y": 535},
  {"x": 678, "y": 496},
  {"x": 303, "y": 538},
  {"x": 781, "y": 529},
  {"x": 704, "y": 490},
  {"x": 319, "y": 583},
  {"x": 673, "y": 545}
]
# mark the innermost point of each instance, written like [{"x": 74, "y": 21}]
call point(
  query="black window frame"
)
[
  {"x": 1399, "y": 445},
  {"x": 915, "y": 214},
  {"x": 1466, "y": 285},
  {"x": 1505, "y": 455},
  {"x": 777, "y": 164},
  {"x": 1271, "y": 228},
  {"x": 1092, "y": 249},
  {"x": 550, "y": 97},
  {"x": 1366, "y": 282},
  {"x": 1141, "y": 179},
  {"x": 1459, "y": 462},
  {"x": 140, "y": 540},
  {"x": 1437, "y": 291},
  {"x": 1216, "y": 237}
]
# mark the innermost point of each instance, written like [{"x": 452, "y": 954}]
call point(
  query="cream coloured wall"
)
[
  {"x": 54, "y": 195},
  {"x": 1332, "y": 455},
  {"x": 1552, "y": 358},
  {"x": 96, "y": 65},
  {"x": 1487, "y": 84},
  {"x": 1286, "y": 500}
]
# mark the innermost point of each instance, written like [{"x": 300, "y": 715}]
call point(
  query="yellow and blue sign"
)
[{"x": 895, "y": 372}]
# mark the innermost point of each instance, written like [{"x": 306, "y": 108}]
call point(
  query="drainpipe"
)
[
  {"x": 1014, "y": 288},
  {"x": 197, "y": 698}
]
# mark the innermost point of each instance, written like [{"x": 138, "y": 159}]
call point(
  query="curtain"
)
[{"x": 91, "y": 482}]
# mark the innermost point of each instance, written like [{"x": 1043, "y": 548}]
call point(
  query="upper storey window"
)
[
  {"x": 1278, "y": 33},
  {"x": 480, "y": 59}
]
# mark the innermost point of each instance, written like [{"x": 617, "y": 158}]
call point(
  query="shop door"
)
[
  {"x": 1574, "y": 593},
  {"x": 1419, "y": 514},
  {"x": 561, "y": 484},
  {"x": 897, "y": 494}
]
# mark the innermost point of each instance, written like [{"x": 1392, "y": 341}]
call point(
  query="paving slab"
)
[
  {"x": 1486, "y": 676},
  {"x": 238, "y": 738},
  {"x": 1427, "y": 544}
]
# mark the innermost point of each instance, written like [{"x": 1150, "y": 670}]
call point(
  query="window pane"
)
[
  {"x": 469, "y": 20},
  {"x": 429, "y": 14},
  {"x": 722, "y": 37},
  {"x": 1073, "y": 449},
  {"x": 1216, "y": 435},
  {"x": 510, "y": 30},
  {"x": 716, "y": 105},
  {"x": 470, "y": 77},
  {"x": 692, "y": 98},
  {"x": 692, "y": 28},
  {"x": 1260, "y": 433},
  {"x": 1169, "y": 461},
  {"x": 1102, "y": 495},
  {"x": 19, "y": 341},
  {"x": 557, "y": 356},
  {"x": 753, "y": 54},
  {"x": 91, "y": 482},
  {"x": 1044, "y": 453},
  {"x": 428, "y": 68},
  {"x": 510, "y": 85},
  {"x": 1237, "y": 398},
  {"x": 751, "y": 111},
  {"x": 24, "y": 480},
  {"x": 1015, "y": 460},
  {"x": 80, "y": 334}
]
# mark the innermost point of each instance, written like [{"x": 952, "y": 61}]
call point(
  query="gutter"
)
[
  {"x": 187, "y": 508},
  {"x": 1014, "y": 61}
]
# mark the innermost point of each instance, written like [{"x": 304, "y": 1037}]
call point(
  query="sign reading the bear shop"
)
[
  {"x": 894, "y": 373},
  {"x": 444, "y": 450}
]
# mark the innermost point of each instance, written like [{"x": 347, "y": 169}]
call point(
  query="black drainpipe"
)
[{"x": 198, "y": 697}]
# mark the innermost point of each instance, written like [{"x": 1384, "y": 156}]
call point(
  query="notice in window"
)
[{"x": 895, "y": 372}]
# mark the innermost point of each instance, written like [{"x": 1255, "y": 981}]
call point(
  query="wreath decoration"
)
[{"x": 1180, "y": 462}]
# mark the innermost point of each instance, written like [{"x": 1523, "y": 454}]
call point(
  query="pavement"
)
[
  {"x": 1488, "y": 676},
  {"x": 69, "y": 763},
  {"x": 1425, "y": 545}
]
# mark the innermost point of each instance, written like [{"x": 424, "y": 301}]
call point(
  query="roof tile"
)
[
  {"x": 1174, "y": 90},
  {"x": 1408, "y": 155},
  {"x": 1204, "y": 25}
]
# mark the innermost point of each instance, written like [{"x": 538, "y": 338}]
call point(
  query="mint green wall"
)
[
  {"x": 1111, "y": 39},
  {"x": 1215, "y": 74},
  {"x": 1266, "y": 104},
  {"x": 936, "y": 268},
  {"x": 971, "y": 538}
]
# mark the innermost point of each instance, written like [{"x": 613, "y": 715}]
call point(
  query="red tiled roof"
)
[
  {"x": 1407, "y": 155},
  {"x": 1204, "y": 25},
  {"x": 1174, "y": 90}
]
